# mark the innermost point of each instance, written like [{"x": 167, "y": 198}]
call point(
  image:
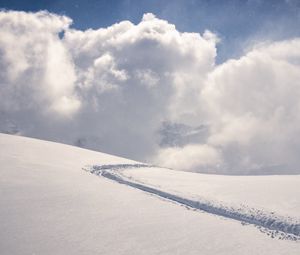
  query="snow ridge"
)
[{"x": 270, "y": 221}]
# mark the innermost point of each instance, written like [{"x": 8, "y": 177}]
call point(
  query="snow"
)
[
  {"x": 273, "y": 223},
  {"x": 274, "y": 193},
  {"x": 49, "y": 205}
]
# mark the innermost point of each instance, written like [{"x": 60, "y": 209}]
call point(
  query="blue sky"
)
[{"x": 238, "y": 23}]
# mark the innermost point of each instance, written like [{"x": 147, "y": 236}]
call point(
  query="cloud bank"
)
[{"x": 149, "y": 92}]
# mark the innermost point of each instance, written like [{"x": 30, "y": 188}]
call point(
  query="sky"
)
[
  {"x": 204, "y": 86},
  {"x": 238, "y": 22}
]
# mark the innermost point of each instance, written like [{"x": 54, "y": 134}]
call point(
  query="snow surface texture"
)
[
  {"x": 48, "y": 205},
  {"x": 269, "y": 220}
]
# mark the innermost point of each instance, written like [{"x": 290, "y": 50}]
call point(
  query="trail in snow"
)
[{"x": 274, "y": 225}]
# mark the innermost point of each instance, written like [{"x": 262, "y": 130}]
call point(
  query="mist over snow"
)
[{"x": 151, "y": 93}]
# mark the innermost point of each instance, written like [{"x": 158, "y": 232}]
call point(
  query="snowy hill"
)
[{"x": 51, "y": 204}]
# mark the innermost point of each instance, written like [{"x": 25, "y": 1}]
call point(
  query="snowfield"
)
[
  {"x": 283, "y": 226},
  {"x": 49, "y": 205}
]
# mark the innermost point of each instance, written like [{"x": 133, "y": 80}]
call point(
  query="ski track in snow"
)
[{"x": 269, "y": 223}]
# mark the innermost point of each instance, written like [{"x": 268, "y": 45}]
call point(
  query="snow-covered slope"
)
[
  {"x": 49, "y": 205},
  {"x": 277, "y": 194},
  {"x": 246, "y": 199}
]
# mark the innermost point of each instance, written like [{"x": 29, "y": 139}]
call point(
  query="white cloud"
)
[
  {"x": 109, "y": 89},
  {"x": 36, "y": 69},
  {"x": 133, "y": 77},
  {"x": 112, "y": 89},
  {"x": 253, "y": 106},
  {"x": 191, "y": 157}
]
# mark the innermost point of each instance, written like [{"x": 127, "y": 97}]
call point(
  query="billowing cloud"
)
[
  {"x": 36, "y": 69},
  {"x": 253, "y": 106},
  {"x": 151, "y": 93},
  {"x": 191, "y": 157}
]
